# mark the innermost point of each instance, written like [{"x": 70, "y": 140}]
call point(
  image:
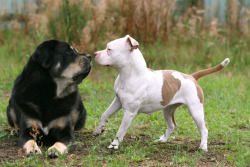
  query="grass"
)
[{"x": 226, "y": 110}]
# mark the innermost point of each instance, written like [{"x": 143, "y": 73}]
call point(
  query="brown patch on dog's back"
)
[
  {"x": 198, "y": 88},
  {"x": 170, "y": 86}
]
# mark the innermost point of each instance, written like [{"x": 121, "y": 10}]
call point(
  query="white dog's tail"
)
[{"x": 202, "y": 73}]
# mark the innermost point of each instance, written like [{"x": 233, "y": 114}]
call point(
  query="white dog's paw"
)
[
  {"x": 98, "y": 130},
  {"x": 162, "y": 139},
  {"x": 204, "y": 148},
  {"x": 114, "y": 145}
]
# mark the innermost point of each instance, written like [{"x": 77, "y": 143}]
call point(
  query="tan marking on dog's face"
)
[
  {"x": 170, "y": 86},
  {"x": 72, "y": 69},
  {"x": 198, "y": 88},
  {"x": 60, "y": 147},
  {"x": 30, "y": 147},
  {"x": 57, "y": 66}
]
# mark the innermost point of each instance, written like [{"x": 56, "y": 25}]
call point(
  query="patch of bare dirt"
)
[
  {"x": 165, "y": 152},
  {"x": 162, "y": 154}
]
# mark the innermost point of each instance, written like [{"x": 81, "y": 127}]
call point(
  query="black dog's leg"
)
[
  {"x": 62, "y": 137},
  {"x": 28, "y": 135},
  {"x": 81, "y": 119},
  {"x": 13, "y": 115}
]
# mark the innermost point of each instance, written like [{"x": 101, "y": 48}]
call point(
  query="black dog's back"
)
[
  {"x": 35, "y": 100},
  {"x": 33, "y": 96}
]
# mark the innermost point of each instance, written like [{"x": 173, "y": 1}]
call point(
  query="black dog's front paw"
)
[
  {"x": 53, "y": 153},
  {"x": 56, "y": 149},
  {"x": 31, "y": 148}
]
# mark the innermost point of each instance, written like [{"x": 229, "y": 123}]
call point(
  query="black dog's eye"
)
[{"x": 70, "y": 51}]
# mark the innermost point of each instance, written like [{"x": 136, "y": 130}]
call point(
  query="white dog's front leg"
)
[
  {"x": 127, "y": 118},
  {"x": 113, "y": 108}
]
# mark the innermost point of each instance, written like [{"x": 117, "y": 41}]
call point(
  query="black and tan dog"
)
[{"x": 45, "y": 97}]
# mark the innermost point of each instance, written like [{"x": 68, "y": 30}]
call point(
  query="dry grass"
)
[{"x": 94, "y": 25}]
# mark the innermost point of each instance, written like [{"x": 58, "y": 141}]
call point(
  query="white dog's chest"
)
[{"x": 143, "y": 94}]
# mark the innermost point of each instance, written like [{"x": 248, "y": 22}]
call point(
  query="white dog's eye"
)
[{"x": 108, "y": 50}]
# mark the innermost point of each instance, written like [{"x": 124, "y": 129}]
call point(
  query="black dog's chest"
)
[
  {"x": 58, "y": 108},
  {"x": 47, "y": 110}
]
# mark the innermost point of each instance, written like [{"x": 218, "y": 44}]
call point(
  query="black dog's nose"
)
[{"x": 88, "y": 56}]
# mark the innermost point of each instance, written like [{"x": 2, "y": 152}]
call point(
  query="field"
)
[
  {"x": 169, "y": 39},
  {"x": 226, "y": 108}
]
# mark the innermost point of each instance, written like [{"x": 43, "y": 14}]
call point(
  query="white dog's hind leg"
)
[
  {"x": 197, "y": 112},
  {"x": 168, "y": 114},
  {"x": 113, "y": 108},
  {"x": 127, "y": 119}
]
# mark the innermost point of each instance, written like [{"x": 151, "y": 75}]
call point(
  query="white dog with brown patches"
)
[{"x": 141, "y": 90}]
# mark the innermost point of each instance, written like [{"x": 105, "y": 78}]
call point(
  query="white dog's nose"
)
[{"x": 95, "y": 54}]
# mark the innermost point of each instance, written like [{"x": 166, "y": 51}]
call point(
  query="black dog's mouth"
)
[{"x": 79, "y": 77}]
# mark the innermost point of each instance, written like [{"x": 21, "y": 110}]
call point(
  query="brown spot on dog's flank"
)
[
  {"x": 199, "y": 92},
  {"x": 170, "y": 86},
  {"x": 198, "y": 88}
]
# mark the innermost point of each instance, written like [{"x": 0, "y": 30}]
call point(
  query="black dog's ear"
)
[
  {"x": 42, "y": 58},
  {"x": 44, "y": 53}
]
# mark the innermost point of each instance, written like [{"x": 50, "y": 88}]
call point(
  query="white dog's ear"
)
[{"x": 132, "y": 42}]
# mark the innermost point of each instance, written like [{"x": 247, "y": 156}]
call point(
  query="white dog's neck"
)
[{"x": 135, "y": 66}]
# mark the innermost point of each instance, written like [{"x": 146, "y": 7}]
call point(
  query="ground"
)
[
  {"x": 161, "y": 153},
  {"x": 226, "y": 106}
]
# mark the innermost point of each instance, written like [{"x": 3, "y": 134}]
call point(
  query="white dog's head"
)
[{"x": 117, "y": 52}]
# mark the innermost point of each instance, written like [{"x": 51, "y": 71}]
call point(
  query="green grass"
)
[{"x": 227, "y": 113}]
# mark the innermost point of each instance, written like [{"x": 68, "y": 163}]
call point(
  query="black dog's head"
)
[{"x": 62, "y": 61}]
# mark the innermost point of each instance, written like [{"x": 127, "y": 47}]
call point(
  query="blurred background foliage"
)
[
  {"x": 185, "y": 35},
  {"x": 170, "y": 32}
]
